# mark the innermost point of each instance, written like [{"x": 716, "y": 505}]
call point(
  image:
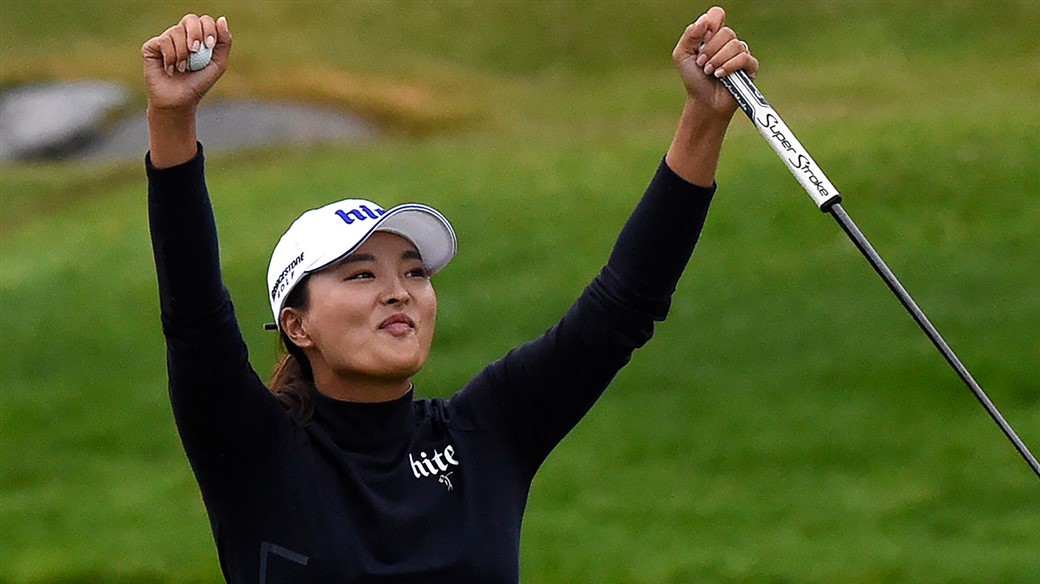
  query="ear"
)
[{"x": 291, "y": 321}]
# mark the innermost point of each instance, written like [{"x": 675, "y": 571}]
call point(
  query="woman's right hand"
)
[
  {"x": 174, "y": 92},
  {"x": 171, "y": 86},
  {"x": 707, "y": 50}
]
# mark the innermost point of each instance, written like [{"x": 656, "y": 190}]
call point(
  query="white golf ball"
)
[{"x": 199, "y": 59}]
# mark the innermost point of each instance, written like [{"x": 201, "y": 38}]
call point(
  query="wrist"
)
[
  {"x": 172, "y": 138},
  {"x": 171, "y": 115},
  {"x": 701, "y": 119},
  {"x": 694, "y": 152}
]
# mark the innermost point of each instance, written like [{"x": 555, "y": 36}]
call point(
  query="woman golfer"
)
[{"x": 337, "y": 473}]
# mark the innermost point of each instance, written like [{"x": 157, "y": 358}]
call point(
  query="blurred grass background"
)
[{"x": 789, "y": 423}]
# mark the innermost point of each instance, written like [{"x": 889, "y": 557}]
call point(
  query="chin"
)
[
  {"x": 395, "y": 361},
  {"x": 404, "y": 368}
]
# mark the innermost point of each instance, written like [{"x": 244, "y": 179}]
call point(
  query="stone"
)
[
  {"x": 233, "y": 125},
  {"x": 46, "y": 120}
]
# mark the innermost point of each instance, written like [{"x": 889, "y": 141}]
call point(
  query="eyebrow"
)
[{"x": 355, "y": 258}]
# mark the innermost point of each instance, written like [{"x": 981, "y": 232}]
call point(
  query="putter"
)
[{"x": 827, "y": 198}]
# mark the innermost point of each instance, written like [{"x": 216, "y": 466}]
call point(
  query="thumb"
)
[{"x": 222, "y": 49}]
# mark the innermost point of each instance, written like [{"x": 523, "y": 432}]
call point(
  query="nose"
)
[{"x": 396, "y": 293}]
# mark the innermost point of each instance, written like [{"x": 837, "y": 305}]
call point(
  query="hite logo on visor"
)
[{"x": 360, "y": 214}]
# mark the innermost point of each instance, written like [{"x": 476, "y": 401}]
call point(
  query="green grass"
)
[{"x": 788, "y": 423}]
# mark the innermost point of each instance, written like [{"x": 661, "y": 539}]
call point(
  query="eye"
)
[
  {"x": 360, "y": 275},
  {"x": 418, "y": 272}
]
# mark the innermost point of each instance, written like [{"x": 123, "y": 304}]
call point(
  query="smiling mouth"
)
[{"x": 397, "y": 324}]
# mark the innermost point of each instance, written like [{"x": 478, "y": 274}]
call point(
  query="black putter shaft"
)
[
  {"x": 915, "y": 311},
  {"x": 827, "y": 198}
]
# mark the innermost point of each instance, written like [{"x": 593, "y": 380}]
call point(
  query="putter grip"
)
[{"x": 781, "y": 138}]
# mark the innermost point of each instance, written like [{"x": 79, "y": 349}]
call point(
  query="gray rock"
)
[
  {"x": 230, "y": 125},
  {"x": 55, "y": 119}
]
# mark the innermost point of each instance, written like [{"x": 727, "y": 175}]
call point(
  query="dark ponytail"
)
[{"x": 293, "y": 378}]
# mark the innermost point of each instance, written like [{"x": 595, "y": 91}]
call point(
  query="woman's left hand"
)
[{"x": 708, "y": 50}]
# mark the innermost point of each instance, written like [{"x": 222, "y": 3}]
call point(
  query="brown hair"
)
[{"x": 293, "y": 378}]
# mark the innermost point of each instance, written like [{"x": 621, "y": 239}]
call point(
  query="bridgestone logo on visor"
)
[{"x": 276, "y": 289}]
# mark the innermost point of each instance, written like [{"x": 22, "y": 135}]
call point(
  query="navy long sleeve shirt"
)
[{"x": 412, "y": 490}]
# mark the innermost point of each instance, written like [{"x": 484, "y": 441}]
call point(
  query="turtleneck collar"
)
[{"x": 362, "y": 425}]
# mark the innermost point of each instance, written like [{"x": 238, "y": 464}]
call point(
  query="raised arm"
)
[
  {"x": 225, "y": 415},
  {"x": 539, "y": 391},
  {"x": 184, "y": 236}
]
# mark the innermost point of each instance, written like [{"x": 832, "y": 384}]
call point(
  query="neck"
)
[{"x": 364, "y": 390}]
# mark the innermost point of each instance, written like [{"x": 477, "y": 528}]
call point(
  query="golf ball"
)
[{"x": 199, "y": 59}]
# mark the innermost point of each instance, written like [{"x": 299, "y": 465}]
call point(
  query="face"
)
[{"x": 370, "y": 317}]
